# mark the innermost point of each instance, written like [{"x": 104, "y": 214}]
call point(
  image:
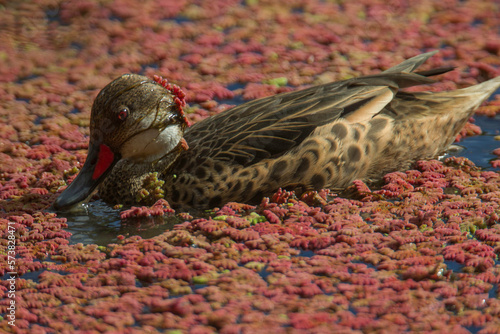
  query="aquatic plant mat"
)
[{"x": 416, "y": 253}]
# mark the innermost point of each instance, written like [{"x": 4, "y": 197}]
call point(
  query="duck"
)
[{"x": 142, "y": 148}]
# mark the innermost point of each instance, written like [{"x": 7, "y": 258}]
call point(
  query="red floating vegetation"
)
[
  {"x": 178, "y": 93},
  {"x": 495, "y": 163},
  {"x": 160, "y": 208},
  {"x": 416, "y": 253}
]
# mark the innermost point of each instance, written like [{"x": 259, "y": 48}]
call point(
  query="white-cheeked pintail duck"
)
[{"x": 325, "y": 136}]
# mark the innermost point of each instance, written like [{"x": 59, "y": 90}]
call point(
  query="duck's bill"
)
[{"x": 100, "y": 161}]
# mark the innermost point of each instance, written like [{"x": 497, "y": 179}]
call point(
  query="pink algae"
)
[
  {"x": 160, "y": 208},
  {"x": 417, "y": 253}
]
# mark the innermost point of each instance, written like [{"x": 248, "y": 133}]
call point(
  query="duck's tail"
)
[
  {"x": 475, "y": 94},
  {"x": 472, "y": 97},
  {"x": 441, "y": 115},
  {"x": 483, "y": 90}
]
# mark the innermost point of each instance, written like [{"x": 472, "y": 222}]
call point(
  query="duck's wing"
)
[
  {"x": 271, "y": 126},
  {"x": 410, "y": 65}
]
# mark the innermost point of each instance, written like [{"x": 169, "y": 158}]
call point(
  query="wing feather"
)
[{"x": 271, "y": 126}]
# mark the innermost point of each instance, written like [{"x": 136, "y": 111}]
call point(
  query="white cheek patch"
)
[{"x": 150, "y": 145}]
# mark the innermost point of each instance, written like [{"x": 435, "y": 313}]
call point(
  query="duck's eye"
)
[{"x": 123, "y": 114}]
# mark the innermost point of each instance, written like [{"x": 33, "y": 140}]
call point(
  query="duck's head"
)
[{"x": 132, "y": 118}]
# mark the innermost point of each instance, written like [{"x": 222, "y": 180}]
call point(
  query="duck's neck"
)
[{"x": 132, "y": 181}]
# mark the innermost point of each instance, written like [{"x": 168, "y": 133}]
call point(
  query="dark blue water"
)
[{"x": 478, "y": 148}]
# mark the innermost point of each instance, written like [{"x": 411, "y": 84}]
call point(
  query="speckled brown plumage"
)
[{"x": 321, "y": 137}]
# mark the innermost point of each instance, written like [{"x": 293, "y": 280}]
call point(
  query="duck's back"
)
[{"x": 321, "y": 137}]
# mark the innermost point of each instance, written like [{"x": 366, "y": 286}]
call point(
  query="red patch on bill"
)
[{"x": 104, "y": 160}]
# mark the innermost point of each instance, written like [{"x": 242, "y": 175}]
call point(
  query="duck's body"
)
[{"x": 321, "y": 137}]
